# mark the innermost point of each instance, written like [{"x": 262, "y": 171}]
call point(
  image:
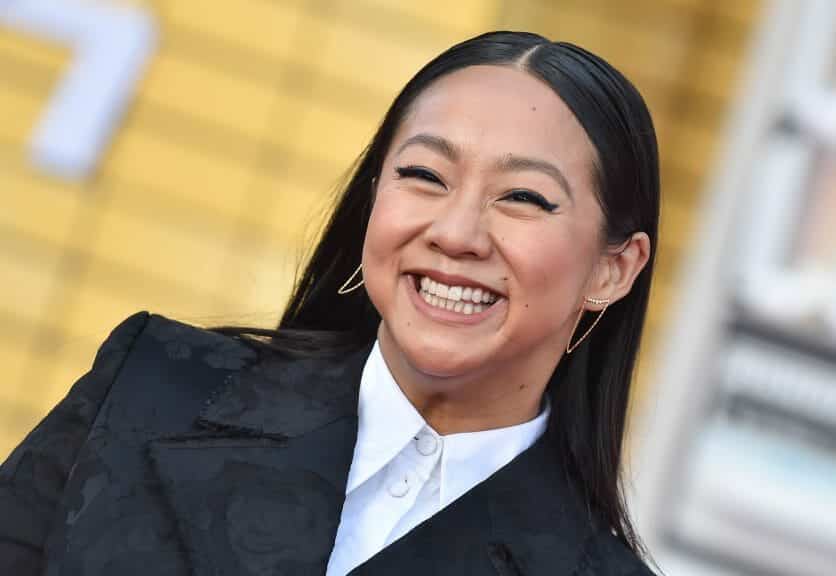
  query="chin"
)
[{"x": 434, "y": 357}]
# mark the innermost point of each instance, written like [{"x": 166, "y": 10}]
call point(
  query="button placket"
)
[
  {"x": 408, "y": 472},
  {"x": 399, "y": 487},
  {"x": 425, "y": 454},
  {"x": 402, "y": 480},
  {"x": 426, "y": 444}
]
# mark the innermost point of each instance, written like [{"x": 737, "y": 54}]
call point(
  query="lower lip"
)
[{"x": 448, "y": 316}]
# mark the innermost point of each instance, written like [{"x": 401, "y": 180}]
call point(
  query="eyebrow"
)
[
  {"x": 509, "y": 163},
  {"x": 512, "y": 163},
  {"x": 437, "y": 143}
]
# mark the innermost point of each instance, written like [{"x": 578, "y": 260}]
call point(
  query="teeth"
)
[{"x": 464, "y": 299}]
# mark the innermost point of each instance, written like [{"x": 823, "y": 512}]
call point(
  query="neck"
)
[{"x": 465, "y": 403}]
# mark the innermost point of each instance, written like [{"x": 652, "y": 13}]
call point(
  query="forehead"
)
[{"x": 496, "y": 111}]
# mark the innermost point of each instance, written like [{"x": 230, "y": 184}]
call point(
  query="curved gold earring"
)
[
  {"x": 342, "y": 290},
  {"x": 598, "y": 301}
]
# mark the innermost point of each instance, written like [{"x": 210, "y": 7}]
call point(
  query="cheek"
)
[
  {"x": 397, "y": 218},
  {"x": 380, "y": 236},
  {"x": 389, "y": 231},
  {"x": 549, "y": 271}
]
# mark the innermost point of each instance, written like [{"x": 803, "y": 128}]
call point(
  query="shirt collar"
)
[
  {"x": 387, "y": 421},
  {"x": 471, "y": 457}
]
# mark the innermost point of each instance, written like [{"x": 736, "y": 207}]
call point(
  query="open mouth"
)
[{"x": 463, "y": 299}]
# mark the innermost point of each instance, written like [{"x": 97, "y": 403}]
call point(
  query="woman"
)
[{"x": 446, "y": 392}]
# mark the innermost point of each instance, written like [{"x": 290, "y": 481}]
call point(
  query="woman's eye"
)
[
  {"x": 419, "y": 173},
  {"x": 530, "y": 197}
]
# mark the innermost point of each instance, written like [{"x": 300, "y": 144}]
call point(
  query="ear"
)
[{"x": 617, "y": 269}]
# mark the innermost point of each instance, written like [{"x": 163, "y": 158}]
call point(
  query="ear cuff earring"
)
[{"x": 588, "y": 300}]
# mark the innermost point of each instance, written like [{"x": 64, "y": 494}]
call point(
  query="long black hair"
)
[{"x": 589, "y": 388}]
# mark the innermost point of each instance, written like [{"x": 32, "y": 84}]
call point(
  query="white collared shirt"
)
[{"x": 403, "y": 471}]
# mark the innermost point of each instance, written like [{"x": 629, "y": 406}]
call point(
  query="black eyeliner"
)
[
  {"x": 418, "y": 172},
  {"x": 535, "y": 198}
]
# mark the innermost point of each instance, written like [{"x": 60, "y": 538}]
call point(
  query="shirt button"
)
[
  {"x": 399, "y": 488},
  {"x": 426, "y": 444}
]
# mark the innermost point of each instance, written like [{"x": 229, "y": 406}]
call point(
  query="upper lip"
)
[{"x": 454, "y": 280}]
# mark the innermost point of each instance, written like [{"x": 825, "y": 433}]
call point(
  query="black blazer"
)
[{"x": 184, "y": 452}]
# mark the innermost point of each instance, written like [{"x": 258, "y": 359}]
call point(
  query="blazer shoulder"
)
[
  {"x": 113, "y": 351},
  {"x": 146, "y": 339},
  {"x": 168, "y": 357},
  {"x": 33, "y": 476},
  {"x": 182, "y": 341},
  {"x": 149, "y": 355},
  {"x": 150, "y": 376}
]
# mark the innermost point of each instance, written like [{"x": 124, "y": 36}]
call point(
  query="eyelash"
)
[
  {"x": 527, "y": 196},
  {"x": 533, "y": 198},
  {"x": 419, "y": 173}
]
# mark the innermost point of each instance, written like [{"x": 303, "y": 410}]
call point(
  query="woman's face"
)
[{"x": 485, "y": 233}]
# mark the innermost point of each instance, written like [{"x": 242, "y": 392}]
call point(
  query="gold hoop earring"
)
[
  {"x": 598, "y": 301},
  {"x": 342, "y": 290}
]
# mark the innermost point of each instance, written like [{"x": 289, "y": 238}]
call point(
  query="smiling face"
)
[{"x": 485, "y": 235}]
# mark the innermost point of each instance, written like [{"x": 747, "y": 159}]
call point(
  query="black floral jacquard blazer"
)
[{"x": 184, "y": 452}]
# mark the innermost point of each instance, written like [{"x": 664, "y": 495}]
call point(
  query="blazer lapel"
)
[
  {"x": 537, "y": 525},
  {"x": 259, "y": 488},
  {"x": 522, "y": 521}
]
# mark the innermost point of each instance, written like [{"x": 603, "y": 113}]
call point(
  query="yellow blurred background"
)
[{"x": 246, "y": 117}]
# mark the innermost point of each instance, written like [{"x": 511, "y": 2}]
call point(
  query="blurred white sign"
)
[{"x": 110, "y": 44}]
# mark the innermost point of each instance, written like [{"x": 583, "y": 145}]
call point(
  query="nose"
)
[{"x": 459, "y": 229}]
